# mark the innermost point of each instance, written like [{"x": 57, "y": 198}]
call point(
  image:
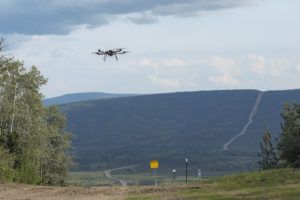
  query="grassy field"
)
[
  {"x": 88, "y": 179},
  {"x": 274, "y": 184},
  {"x": 134, "y": 179},
  {"x": 99, "y": 178},
  {"x": 282, "y": 184}
]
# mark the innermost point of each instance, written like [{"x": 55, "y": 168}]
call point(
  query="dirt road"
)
[
  {"x": 124, "y": 183},
  {"x": 27, "y": 192}
]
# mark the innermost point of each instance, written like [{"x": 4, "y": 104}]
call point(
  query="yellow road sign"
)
[{"x": 154, "y": 164}]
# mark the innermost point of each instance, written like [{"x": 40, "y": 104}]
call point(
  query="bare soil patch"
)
[{"x": 26, "y": 192}]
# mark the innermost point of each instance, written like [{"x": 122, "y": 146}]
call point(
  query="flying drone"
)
[{"x": 111, "y": 52}]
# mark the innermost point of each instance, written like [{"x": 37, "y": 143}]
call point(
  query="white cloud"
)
[
  {"x": 257, "y": 63},
  {"x": 279, "y": 67},
  {"x": 148, "y": 63},
  {"x": 224, "y": 70},
  {"x": 298, "y": 68},
  {"x": 224, "y": 80},
  {"x": 220, "y": 62},
  {"x": 164, "y": 82},
  {"x": 176, "y": 62},
  {"x": 156, "y": 63},
  {"x": 223, "y": 65}
]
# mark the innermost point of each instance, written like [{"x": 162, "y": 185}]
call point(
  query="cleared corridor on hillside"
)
[{"x": 250, "y": 121}]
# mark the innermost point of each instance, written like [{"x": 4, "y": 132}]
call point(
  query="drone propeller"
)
[
  {"x": 117, "y": 50},
  {"x": 123, "y": 52},
  {"x": 99, "y": 50}
]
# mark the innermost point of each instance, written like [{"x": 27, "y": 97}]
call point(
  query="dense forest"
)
[{"x": 33, "y": 140}]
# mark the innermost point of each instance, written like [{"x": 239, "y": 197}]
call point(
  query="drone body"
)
[{"x": 110, "y": 53}]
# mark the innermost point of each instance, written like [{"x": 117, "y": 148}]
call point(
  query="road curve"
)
[
  {"x": 124, "y": 183},
  {"x": 250, "y": 121}
]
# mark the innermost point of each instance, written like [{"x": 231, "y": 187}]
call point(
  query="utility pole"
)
[
  {"x": 174, "y": 175},
  {"x": 186, "y": 169},
  {"x": 199, "y": 174}
]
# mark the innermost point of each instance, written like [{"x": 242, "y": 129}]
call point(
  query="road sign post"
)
[
  {"x": 186, "y": 169},
  {"x": 174, "y": 175},
  {"x": 199, "y": 174},
  {"x": 154, "y": 165},
  {"x": 155, "y": 180}
]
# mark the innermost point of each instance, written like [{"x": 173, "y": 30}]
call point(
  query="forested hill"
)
[
  {"x": 119, "y": 131},
  {"x": 77, "y": 97}
]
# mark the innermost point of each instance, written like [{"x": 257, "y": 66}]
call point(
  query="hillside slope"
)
[
  {"x": 133, "y": 130},
  {"x": 77, "y": 97}
]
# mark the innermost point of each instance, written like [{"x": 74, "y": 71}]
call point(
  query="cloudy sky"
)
[{"x": 176, "y": 45}]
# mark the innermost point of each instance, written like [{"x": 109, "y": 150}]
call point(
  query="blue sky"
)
[{"x": 177, "y": 45}]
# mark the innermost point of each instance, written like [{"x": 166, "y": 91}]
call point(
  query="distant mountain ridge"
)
[
  {"x": 77, "y": 97},
  {"x": 123, "y": 131}
]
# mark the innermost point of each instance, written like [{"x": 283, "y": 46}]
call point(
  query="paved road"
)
[
  {"x": 250, "y": 121},
  {"x": 115, "y": 179}
]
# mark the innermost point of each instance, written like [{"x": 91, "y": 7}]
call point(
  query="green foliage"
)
[
  {"x": 268, "y": 154},
  {"x": 56, "y": 162},
  {"x": 6, "y": 165},
  {"x": 33, "y": 142},
  {"x": 289, "y": 142},
  {"x": 27, "y": 172}
]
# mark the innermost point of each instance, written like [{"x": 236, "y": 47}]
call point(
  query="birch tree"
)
[{"x": 33, "y": 140}]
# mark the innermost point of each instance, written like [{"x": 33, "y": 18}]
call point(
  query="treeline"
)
[
  {"x": 286, "y": 152},
  {"x": 33, "y": 140}
]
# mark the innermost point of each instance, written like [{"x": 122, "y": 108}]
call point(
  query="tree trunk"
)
[{"x": 13, "y": 110}]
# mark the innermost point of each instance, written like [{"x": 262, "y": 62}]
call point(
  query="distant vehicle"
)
[{"x": 111, "y": 52}]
